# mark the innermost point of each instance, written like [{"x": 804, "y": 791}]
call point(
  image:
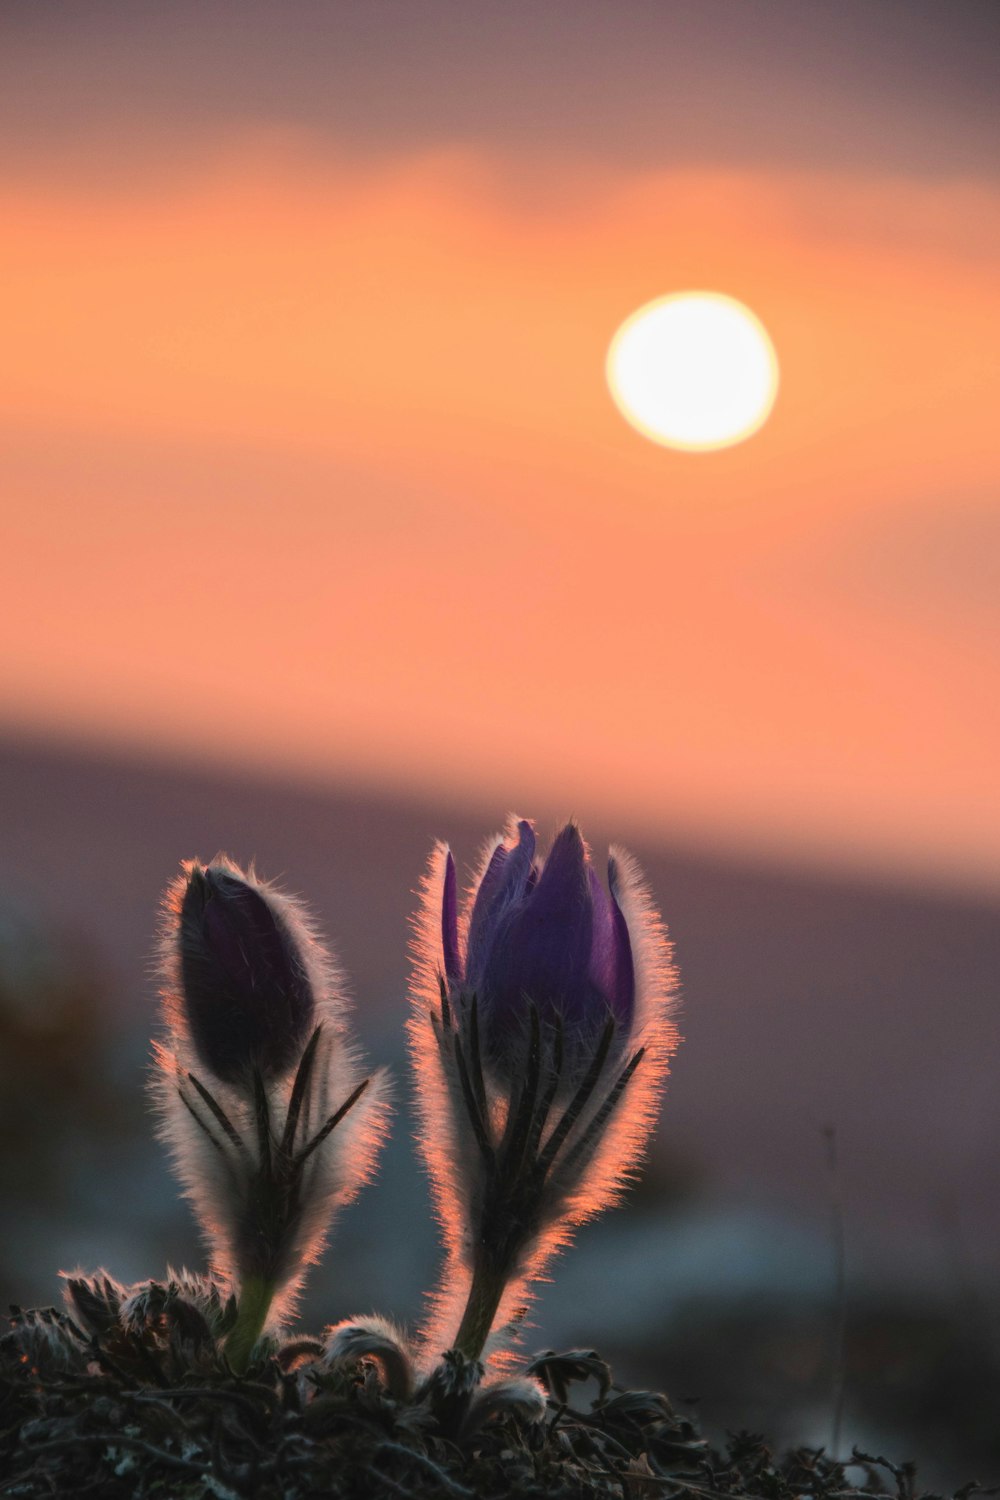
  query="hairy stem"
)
[
  {"x": 485, "y": 1293},
  {"x": 507, "y": 1226},
  {"x": 256, "y": 1296}
]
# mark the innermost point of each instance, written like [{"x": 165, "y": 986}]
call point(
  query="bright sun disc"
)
[{"x": 695, "y": 370}]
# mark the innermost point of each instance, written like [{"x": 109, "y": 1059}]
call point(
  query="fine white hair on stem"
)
[
  {"x": 446, "y": 1144},
  {"x": 522, "y": 1151},
  {"x": 285, "y": 1148}
]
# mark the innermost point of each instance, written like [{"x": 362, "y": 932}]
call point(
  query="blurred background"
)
[{"x": 322, "y": 538}]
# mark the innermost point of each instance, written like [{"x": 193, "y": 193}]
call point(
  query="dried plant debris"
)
[{"x": 135, "y": 1397}]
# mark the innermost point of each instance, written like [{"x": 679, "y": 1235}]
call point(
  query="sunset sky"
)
[{"x": 307, "y": 460}]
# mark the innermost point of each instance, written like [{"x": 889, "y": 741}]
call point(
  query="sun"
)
[{"x": 694, "y": 370}]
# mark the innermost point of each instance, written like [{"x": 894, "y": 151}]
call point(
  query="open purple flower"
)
[
  {"x": 541, "y": 1037},
  {"x": 548, "y": 936}
]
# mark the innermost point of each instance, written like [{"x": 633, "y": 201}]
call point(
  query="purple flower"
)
[
  {"x": 546, "y": 935},
  {"x": 541, "y": 1035},
  {"x": 246, "y": 991}
]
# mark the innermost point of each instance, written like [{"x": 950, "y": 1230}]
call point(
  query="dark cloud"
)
[{"x": 904, "y": 85}]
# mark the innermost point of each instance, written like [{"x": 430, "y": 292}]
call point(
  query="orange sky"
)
[{"x": 311, "y": 464}]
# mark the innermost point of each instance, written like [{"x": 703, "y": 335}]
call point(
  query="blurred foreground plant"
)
[{"x": 137, "y": 1401}]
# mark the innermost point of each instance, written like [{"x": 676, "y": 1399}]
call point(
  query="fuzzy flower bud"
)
[
  {"x": 262, "y": 1103},
  {"x": 246, "y": 991},
  {"x": 541, "y": 1036}
]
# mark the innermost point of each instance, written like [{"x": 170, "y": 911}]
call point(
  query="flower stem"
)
[
  {"x": 488, "y": 1283},
  {"x": 256, "y": 1296}
]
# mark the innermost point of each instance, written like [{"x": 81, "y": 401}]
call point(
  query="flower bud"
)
[
  {"x": 270, "y": 1121},
  {"x": 247, "y": 995}
]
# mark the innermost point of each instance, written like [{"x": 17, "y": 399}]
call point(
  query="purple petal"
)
[
  {"x": 449, "y": 923},
  {"x": 611, "y": 965},
  {"x": 241, "y": 931},
  {"x": 485, "y": 896},
  {"x": 602, "y": 952},
  {"x": 504, "y": 882},
  {"x": 541, "y": 949}
]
